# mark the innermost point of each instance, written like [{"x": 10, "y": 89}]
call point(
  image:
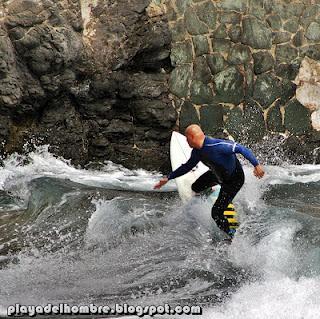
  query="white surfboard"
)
[{"x": 180, "y": 152}]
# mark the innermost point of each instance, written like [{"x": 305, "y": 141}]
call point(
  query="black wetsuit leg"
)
[
  {"x": 206, "y": 180},
  {"x": 228, "y": 191}
]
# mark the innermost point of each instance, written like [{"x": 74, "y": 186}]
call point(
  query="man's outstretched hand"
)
[
  {"x": 162, "y": 182},
  {"x": 258, "y": 171}
]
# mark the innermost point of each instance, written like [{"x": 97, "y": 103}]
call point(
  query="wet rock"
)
[
  {"x": 311, "y": 11},
  {"x": 313, "y": 31},
  {"x": 10, "y": 87},
  {"x": 97, "y": 109},
  {"x": 180, "y": 79},
  {"x": 266, "y": 89},
  {"x": 291, "y": 25},
  {"x": 5, "y": 124},
  {"x": 211, "y": 118},
  {"x": 263, "y": 62},
  {"x": 141, "y": 85},
  {"x": 239, "y": 54},
  {"x": 269, "y": 6},
  {"x": 200, "y": 93},
  {"x": 274, "y": 21},
  {"x": 207, "y": 13},
  {"x": 288, "y": 90},
  {"x": 274, "y": 119},
  {"x": 181, "y": 52},
  {"x": 230, "y": 17},
  {"x": 303, "y": 148},
  {"x": 256, "y": 34},
  {"x": 62, "y": 128},
  {"x": 298, "y": 39},
  {"x": 193, "y": 24},
  {"x": 308, "y": 92},
  {"x": 235, "y": 33},
  {"x": 281, "y": 8},
  {"x": 188, "y": 115},
  {"x": 249, "y": 79},
  {"x": 119, "y": 128},
  {"x": 201, "y": 70},
  {"x": 109, "y": 78},
  {"x": 281, "y": 37},
  {"x": 311, "y": 51},
  {"x": 220, "y": 32},
  {"x": 286, "y": 53},
  {"x": 154, "y": 113},
  {"x": 201, "y": 45},
  {"x": 235, "y": 122},
  {"x": 297, "y": 118},
  {"x": 287, "y": 70},
  {"x": 178, "y": 31},
  {"x": 254, "y": 128},
  {"x": 96, "y": 89},
  {"x": 182, "y": 5},
  {"x": 236, "y": 5},
  {"x": 221, "y": 45},
  {"x": 256, "y": 8},
  {"x": 216, "y": 62},
  {"x": 296, "y": 9},
  {"x": 229, "y": 86}
]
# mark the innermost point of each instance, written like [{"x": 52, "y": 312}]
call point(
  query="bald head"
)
[{"x": 195, "y": 136}]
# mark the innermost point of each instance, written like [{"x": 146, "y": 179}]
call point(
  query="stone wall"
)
[
  {"x": 105, "y": 79},
  {"x": 236, "y": 61}
]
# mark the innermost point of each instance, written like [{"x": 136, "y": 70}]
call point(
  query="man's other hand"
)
[
  {"x": 258, "y": 171},
  {"x": 162, "y": 182}
]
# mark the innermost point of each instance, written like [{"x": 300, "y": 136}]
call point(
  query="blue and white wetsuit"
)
[{"x": 219, "y": 155}]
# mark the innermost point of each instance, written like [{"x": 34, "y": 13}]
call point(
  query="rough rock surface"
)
[{"x": 89, "y": 78}]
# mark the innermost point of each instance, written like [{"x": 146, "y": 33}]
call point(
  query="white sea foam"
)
[
  {"x": 285, "y": 289},
  {"x": 3, "y": 311},
  {"x": 284, "y": 298},
  {"x": 291, "y": 174},
  {"x": 282, "y": 289},
  {"x": 19, "y": 170},
  {"x": 41, "y": 162}
]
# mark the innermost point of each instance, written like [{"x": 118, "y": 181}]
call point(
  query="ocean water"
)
[{"x": 69, "y": 235}]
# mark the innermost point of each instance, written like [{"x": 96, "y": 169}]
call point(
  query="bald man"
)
[{"x": 225, "y": 169}]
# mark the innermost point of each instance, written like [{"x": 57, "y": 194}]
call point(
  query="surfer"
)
[{"x": 225, "y": 169}]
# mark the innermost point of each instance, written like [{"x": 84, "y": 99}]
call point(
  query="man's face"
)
[{"x": 190, "y": 141}]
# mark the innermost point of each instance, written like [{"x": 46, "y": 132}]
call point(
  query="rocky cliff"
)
[
  {"x": 109, "y": 80},
  {"x": 89, "y": 78}
]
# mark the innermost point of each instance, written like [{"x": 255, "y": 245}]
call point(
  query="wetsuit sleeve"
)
[
  {"x": 238, "y": 148},
  {"x": 186, "y": 167}
]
